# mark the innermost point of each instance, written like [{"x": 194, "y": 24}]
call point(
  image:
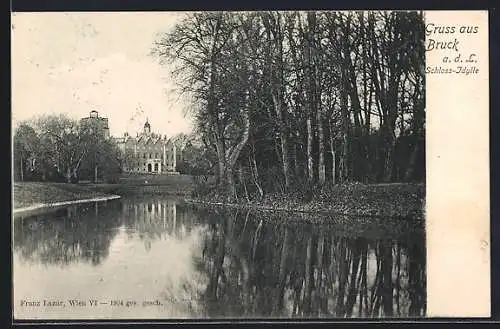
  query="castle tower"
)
[
  {"x": 147, "y": 127},
  {"x": 96, "y": 123}
]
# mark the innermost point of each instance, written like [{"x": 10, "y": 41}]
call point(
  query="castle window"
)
[
  {"x": 150, "y": 155},
  {"x": 144, "y": 155}
]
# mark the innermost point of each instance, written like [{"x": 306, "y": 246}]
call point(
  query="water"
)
[{"x": 157, "y": 258}]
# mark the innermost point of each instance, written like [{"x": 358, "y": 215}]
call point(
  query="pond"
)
[{"x": 159, "y": 258}]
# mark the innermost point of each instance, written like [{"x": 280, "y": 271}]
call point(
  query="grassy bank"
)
[
  {"x": 27, "y": 194},
  {"x": 396, "y": 199},
  {"x": 126, "y": 189},
  {"x": 150, "y": 179},
  {"x": 147, "y": 184}
]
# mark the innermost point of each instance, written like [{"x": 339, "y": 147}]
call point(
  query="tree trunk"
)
[
  {"x": 233, "y": 153},
  {"x": 343, "y": 169},
  {"x": 283, "y": 138},
  {"x": 212, "y": 111},
  {"x": 221, "y": 159},
  {"x": 344, "y": 102},
  {"x": 75, "y": 174},
  {"x": 321, "y": 142},
  {"x": 332, "y": 151},
  {"x": 22, "y": 169},
  {"x": 418, "y": 121},
  {"x": 277, "y": 94},
  {"x": 334, "y": 161},
  {"x": 310, "y": 169},
  {"x": 284, "y": 155},
  {"x": 255, "y": 173},
  {"x": 296, "y": 167},
  {"x": 311, "y": 90},
  {"x": 389, "y": 155},
  {"x": 231, "y": 186},
  {"x": 413, "y": 159}
]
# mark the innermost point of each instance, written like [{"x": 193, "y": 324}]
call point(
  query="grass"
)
[
  {"x": 31, "y": 193},
  {"x": 164, "y": 180},
  {"x": 127, "y": 189},
  {"x": 148, "y": 184}
]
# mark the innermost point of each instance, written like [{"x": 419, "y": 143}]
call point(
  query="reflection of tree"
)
[
  {"x": 75, "y": 233},
  {"x": 256, "y": 268}
]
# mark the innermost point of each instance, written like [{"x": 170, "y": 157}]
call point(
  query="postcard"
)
[{"x": 241, "y": 166}]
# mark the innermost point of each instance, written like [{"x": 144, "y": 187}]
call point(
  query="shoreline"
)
[
  {"x": 39, "y": 206},
  {"x": 292, "y": 210},
  {"x": 400, "y": 200},
  {"x": 391, "y": 200}
]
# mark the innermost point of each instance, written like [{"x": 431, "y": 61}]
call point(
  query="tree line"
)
[
  {"x": 58, "y": 148},
  {"x": 287, "y": 98}
]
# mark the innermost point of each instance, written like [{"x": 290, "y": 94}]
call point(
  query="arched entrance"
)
[
  {"x": 156, "y": 167},
  {"x": 149, "y": 167}
]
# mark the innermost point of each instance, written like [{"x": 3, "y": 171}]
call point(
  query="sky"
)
[{"x": 72, "y": 63}]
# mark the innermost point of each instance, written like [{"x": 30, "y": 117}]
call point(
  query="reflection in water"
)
[
  {"x": 67, "y": 235},
  {"x": 263, "y": 269},
  {"x": 223, "y": 263},
  {"x": 155, "y": 219}
]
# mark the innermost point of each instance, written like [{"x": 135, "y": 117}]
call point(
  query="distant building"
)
[
  {"x": 97, "y": 123},
  {"x": 148, "y": 152}
]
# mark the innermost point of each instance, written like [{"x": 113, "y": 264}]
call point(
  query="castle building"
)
[{"x": 148, "y": 152}]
